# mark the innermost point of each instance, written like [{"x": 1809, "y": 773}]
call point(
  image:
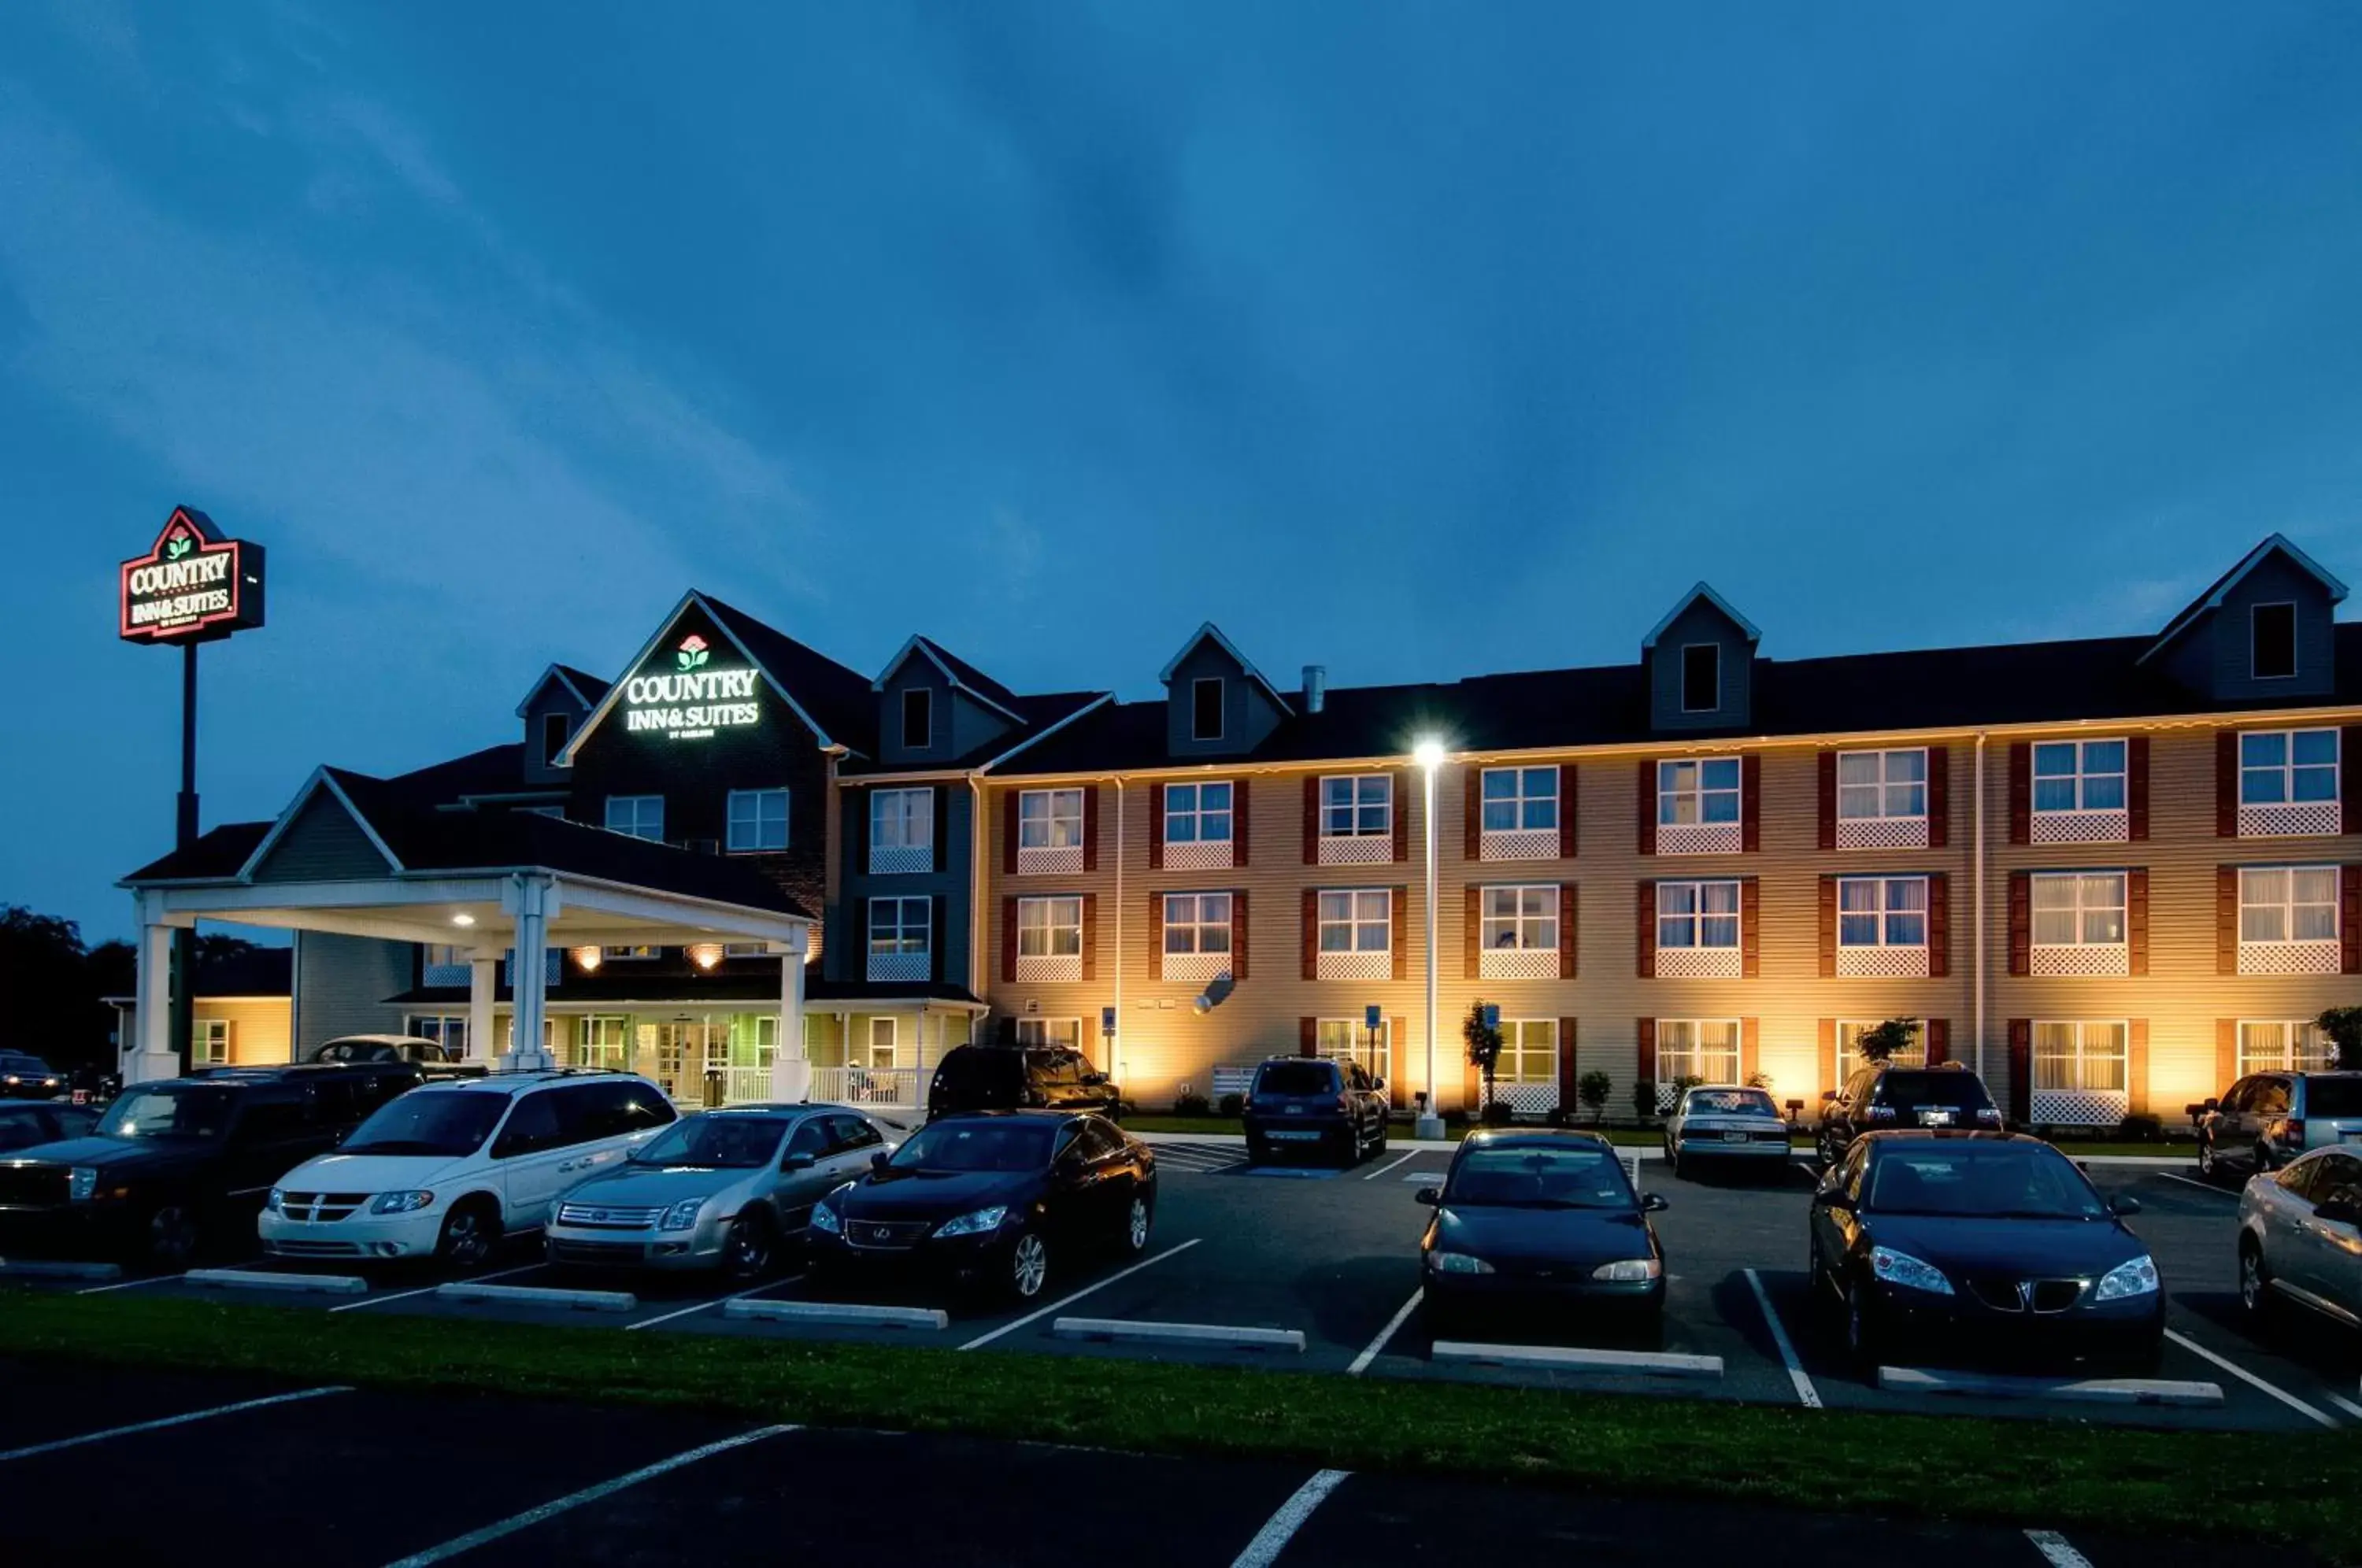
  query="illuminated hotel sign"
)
[
  {"x": 191, "y": 586},
  {"x": 691, "y": 702}
]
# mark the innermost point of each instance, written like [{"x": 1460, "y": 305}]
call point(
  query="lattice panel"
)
[
  {"x": 1521, "y": 844},
  {"x": 1669, "y": 1094},
  {"x": 2289, "y": 957},
  {"x": 1527, "y": 1100},
  {"x": 899, "y": 966},
  {"x": 1697, "y": 962},
  {"x": 1357, "y": 967},
  {"x": 2079, "y": 1108},
  {"x": 1882, "y": 832},
  {"x": 1050, "y": 862},
  {"x": 2082, "y": 827},
  {"x": 1065, "y": 967},
  {"x": 1197, "y": 855},
  {"x": 1361, "y": 849},
  {"x": 1519, "y": 963},
  {"x": 1698, "y": 838},
  {"x": 1883, "y": 963},
  {"x": 901, "y": 859},
  {"x": 1195, "y": 966},
  {"x": 2090, "y": 958},
  {"x": 2291, "y": 821},
  {"x": 443, "y": 975}
]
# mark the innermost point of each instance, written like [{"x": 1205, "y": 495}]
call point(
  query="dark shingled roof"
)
[
  {"x": 968, "y": 675},
  {"x": 217, "y": 853},
  {"x": 838, "y": 699},
  {"x": 592, "y": 687},
  {"x": 1040, "y": 715},
  {"x": 495, "y": 770}
]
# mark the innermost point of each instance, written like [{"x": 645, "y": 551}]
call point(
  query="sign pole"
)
[{"x": 184, "y": 834}]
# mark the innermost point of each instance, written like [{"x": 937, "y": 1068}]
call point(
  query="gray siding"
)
[
  {"x": 961, "y": 723},
  {"x": 341, "y": 984},
  {"x": 322, "y": 844},
  {"x": 844, "y": 951},
  {"x": 2214, "y": 656},
  {"x": 553, "y": 698},
  {"x": 1701, "y": 622},
  {"x": 1248, "y": 712}
]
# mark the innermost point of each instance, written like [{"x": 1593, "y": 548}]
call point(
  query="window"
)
[
  {"x": 2287, "y": 767},
  {"x": 1042, "y": 1033},
  {"x": 885, "y": 1041},
  {"x": 901, "y": 830},
  {"x": 628, "y": 953},
  {"x": 636, "y": 817},
  {"x": 1697, "y": 914},
  {"x": 918, "y": 719},
  {"x": 1703, "y": 1049},
  {"x": 2079, "y": 776},
  {"x": 2288, "y": 903},
  {"x": 603, "y": 1041},
  {"x": 556, "y": 730},
  {"x": 447, "y": 1030},
  {"x": 2291, "y": 1044},
  {"x": 743, "y": 949},
  {"x": 2088, "y": 1056},
  {"x": 2271, "y": 641},
  {"x": 1206, "y": 708},
  {"x": 1357, "y": 807},
  {"x": 1197, "y": 923},
  {"x": 1197, "y": 813},
  {"x": 2079, "y": 908},
  {"x": 899, "y": 925},
  {"x": 1516, "y": 798},
  {"x": 1049, "y": 928},
  {"x": 1689, "y": 793},
  {"x": 1050, "y": 818},
  {"x": 1881, "y": 784},
  {"x": 1849, "y": 1031},
  {"x": 758, "y": 820},
  {"x": 1882, "y": 912},
  {"x": 1349, "y": 1040},
  {"x": 1701, "y": 678},
  {"x": 1357, "y": 921},
  {"x": 1519, "y": 919},
  {"x": 1528, "y": 1052},
  {"x": 209, "y": 1042}
]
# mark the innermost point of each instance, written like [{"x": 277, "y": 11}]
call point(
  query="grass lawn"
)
[{"x": 2056, "y": 1474}]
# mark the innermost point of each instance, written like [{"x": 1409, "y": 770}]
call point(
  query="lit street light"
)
[{"x": 1429, "y": 755}]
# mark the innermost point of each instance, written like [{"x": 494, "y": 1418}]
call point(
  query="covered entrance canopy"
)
[{"x": 349, "y": 856}]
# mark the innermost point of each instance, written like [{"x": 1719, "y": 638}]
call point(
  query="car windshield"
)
[
  {"x": 977, "y": 1146},
  {"x": 1907, "y": 1091},
  {"x": 1526, "y": 1176},
  {"x": 26, "y": 1065},
  {"x": 2333, "y": 1097},
  {"x": 449, "y": 1124},
  {"x": 973, "y": 1069},
  {"x": 171, "y": 1111},
  {"x": 1296, "y": 1078},
  {"x": 1993, "y": 1181},
  {"x": 715, "y": 1143},
  {"x": 1730, "y": 1103}
]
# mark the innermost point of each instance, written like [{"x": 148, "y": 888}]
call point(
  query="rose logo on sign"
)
[{"x": 693, "y": 652}]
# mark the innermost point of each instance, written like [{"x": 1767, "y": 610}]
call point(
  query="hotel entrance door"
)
[{"x": 675, "y": 1055}]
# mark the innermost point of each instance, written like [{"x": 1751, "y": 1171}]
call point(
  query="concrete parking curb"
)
[
  {"x": 845, "y": 1312},
  {"x": 539, "y": 1296},
  {"x": 1571, "y": 1358},
  {"x": 1656, "y": 1151},
  {"x": 2090, "y": 1391},
  {"x": 36, "y": 1268},
  {"x": 1119, "y": 1329},
  {"x": 257, "y": 1279}
]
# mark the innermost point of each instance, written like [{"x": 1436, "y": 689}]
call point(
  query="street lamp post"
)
[{"x": 1429, "y": 755}]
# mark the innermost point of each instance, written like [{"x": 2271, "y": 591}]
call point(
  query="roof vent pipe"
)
[{"x": 1316, "y": 687}]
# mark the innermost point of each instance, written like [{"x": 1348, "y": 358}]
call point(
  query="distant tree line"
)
[{"x": 50, "y": 983}]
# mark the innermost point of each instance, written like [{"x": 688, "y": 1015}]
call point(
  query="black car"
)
[
  {"x": 1019, "y": 1077},
  {"x": 1315, "y": 1104},
  {"x": 1540, "y": 1219},
  {"x": 25, "y": 1123},
  {"x": 1983, "y": 1245},
  {"x": 1881, "y": 1095},
  {"x": 28, "y": 1078},
  {"x": 174, "y": 1164},
  {"x": 991, "y": 1201}
]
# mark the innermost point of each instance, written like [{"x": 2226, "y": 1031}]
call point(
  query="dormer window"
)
[
  {"x": 1206, "y": 708},
  {"x": 2271, "y": 641},
  {"x": 918, "y": 719},
  {"x": 556, "y": 729},
  {"x": 1701, "y": 678}
]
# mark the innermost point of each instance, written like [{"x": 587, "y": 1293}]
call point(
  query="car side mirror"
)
[
  {"x": 1653, "y": 1203},
  {"x": 2122, "y": 1204},
  {"x": 2338, "y": 1211},
  {"x": 877, "y": 1161},
  {"x": 1431, "y": 1196},
  {"x": 1828, "y": 1096},
  {"x": 801, "y": 1159}
]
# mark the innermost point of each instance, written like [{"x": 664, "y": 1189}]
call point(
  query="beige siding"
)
[{"x": 259, "y": 1028}]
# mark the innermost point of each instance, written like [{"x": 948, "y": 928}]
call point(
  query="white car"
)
[{"x": 449, "y": 1170}]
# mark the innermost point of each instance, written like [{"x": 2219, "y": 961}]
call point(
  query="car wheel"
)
[
  {"x": 1258, "y": 1152},
  {"x": 1029, "y": 1266},
  {"x": 172, "y": 1235},
  {"x": 2209, "y": 1168},
  {"x": 749, "y": 1251},
  {"x": 2255, "y": 1281},
  {"x": 1863, "y": 1341},
  {"x": 470, "y": 1235},
  {"x": 1386, "y": 1130},
  {"x": 1138, "y": 1221}
]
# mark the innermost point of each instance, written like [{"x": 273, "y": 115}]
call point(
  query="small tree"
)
[
  {"x": 1483, "y": 1041},
  {"x": 1644, "y": 1098},
  {"x": 1593, "y": 1089},
  {"x": 1883, "y": 1042},
  {"x": 2344, "y": 1027}
]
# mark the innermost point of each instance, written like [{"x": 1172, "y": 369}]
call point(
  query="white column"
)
[
  {"x": 528, "y": 971},
  {"x": 154, "y": 1057},
  {"x": 483, "y": 980},
  {"x": 790, "y": 1067}
]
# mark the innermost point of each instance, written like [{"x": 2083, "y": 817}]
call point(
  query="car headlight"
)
[
  {"x": 1457, "y": 1263},
  {"x": 81, "y": 1182},
  {"x": 682, "y": 1215},
  {"x": 1901, "y": 1268},
  {"x": 2138, "y": 1277},
  {"x": 824, "y": 1220},
  {"x": 400, "y": 1202},
  {"x": 984, "y": 1221},
  {"x": 277, "y": 1201},
  {"x": 1628, "y": 1271}
]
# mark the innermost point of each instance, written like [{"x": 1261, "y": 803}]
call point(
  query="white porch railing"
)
[
  {"x": 746, "y": 1085},
  {"x": 866, "y": 1086}
]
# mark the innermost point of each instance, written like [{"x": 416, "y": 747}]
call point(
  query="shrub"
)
[
  {"x": 1193, "y": 1105},
  {"x": 1498, "y": 1114},
  {"x": 1880, "y": 1044},
  {"x": 2344, "y": 1027},
  {"x": 1233, "y": 1104},
  {"x": 2141, "y": 1130},
  {"x": 1644, "y": 1098},
  {"x": 1593, "y": 1089},
  {"x": 1559, "y": 1116}
]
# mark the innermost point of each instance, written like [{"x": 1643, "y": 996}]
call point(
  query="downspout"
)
[
  {"x": 977, "y": 903},
  {"x": 1115, "y": 1039},
  {"x": 1979, "y": 958}
]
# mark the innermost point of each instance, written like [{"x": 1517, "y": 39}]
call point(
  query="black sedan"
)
[
  {"x": 1540, "y": 1219},
  {"x": 990, "y": 1201},
  {"x": 1982, "y": 1243}
]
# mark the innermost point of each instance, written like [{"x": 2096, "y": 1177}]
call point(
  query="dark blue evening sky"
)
[{"x": 1415, "y": 339}]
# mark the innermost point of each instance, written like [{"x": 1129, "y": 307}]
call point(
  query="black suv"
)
[
  {"x": 174, "y": 1164},
  {"x": 28, "y": 1078},
  {"x": 1019, "y": 1077},
  {"x": 1312, "y": 1102},
  {"x": 1880, "y": 1095}
]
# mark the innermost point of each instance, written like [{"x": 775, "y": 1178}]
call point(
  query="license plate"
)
[
  {"x": 1733, "y": 1137},
  {"x": 1291, "y": 1111},
  {"x": 1934, "y": 1119},
  {"x": 1292, "y": 1137}
]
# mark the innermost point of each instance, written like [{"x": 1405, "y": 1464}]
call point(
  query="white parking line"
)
[
  {"x": 426, "y": 1290},
  {"x": 2249, "y": 1378},
  {"x": 127, "y": 1285},
  {"x": 532, "y": 1516},
  {"x": 1403, "y": 1161},
  {"x": 2201, "y": 1185},
  {"x": 1394, "y": 1326},
  {"x": 1806, "y": 1394},
  {"x": 2053, "y": 1545},
  {"x": 1078, "y": 1296},
  {"x": 717, "y": 1301},
  {"x": 1281, "y": 1528},
  {"x": 2343, "y": 1403},
  {"x": 168, "y": 1421}
]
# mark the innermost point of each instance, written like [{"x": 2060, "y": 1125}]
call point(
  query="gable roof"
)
[
  {"x": 1209, "y": 630},
  {"x": 334, "y": 782},
  {"x": 964, "y": 676},
  {"x": 2206, "y": 603},
  {"x": 586, "y": 689},
  {"x": 1037, "y": 718},
  {"x": 1702, "y": 589}
]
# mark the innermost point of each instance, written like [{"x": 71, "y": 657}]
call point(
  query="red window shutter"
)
[
  {"x": 2226, "y": 784},
  {"x": 2136, "y": 920},
  {"x": 1008, "y": 940},
  {"x": 1750, "y": 802},
  {"x": 1472, "y": 812},
  {"x": 1472, "y": 935},
  {"x": 1645, "y": 1055},
  {"x": 1939, "y": 926},
  {"x": 1827, "y": 1059},
  {"x": 1939, "y": 1041},
  {"x": 1827, "y": 766},
  {"x": 1829, "y": 927},
  {"x": 1750, "y": 1047},
  {"x": 2021, "y": 792},
  {"x": 1401, "y": 902},
  {"x": 1644, "y": 963},
  {"x": 2137, "y": 1064},
  {"x": 1307, "y": 1037},
  {"x": 2021, "y": 924},
  {"x": 1242, "y": 818},
  {"x": 1648, "y": 807},
  {"x": 1568, "y": 915},
  {"x": 2136, "y": 787},
  {"x": 1156, "y": 827},
  {"x": 1008, "y": 833},
  {"x": 1939, "y": 796},
  {"x": 1155, "y": 934},
  {"x": 1239, "y": 934},
  {"x": 2226, "y": 1053},
  {"x": 1312, "y": 820},
  {"x": 1311, "y": 934},
  {"x": 2226, "y": 920},
  {"x": 1090, "y": 936},
  {"x": 1090, "y": 828},
  {"x": 1569, "y": 1100},
  {"x": 1750, "y": 929},
  {"x": 2349, "y": 918},
  {"x": 1570, "y": 836},
  {"x": 2021, "y": 1070},
  {"x": 2350, "y": 808},
  {"x": 1401, "y": 814}
]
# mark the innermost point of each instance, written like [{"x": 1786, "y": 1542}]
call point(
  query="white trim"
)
[
  {"x": 1164, "y": 676},
  {"x": 1701, "y": 591},
  {"x": 1044, "y": 734},
  {"x": 556, "y": 673},
  {"x": 787, "y": 820},
  {"x": 2214, "y": 596},
  {"x": 921, "y": 643},
  {"x": 320, "y": 776},
  {"x": 615, "y": 693}
]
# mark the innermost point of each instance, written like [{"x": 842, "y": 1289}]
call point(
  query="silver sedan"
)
[
  {"x": 721, "y": 1189},
  {"x": 1725, "y": 1121},
  {"x": 2301, "y": 1237}
]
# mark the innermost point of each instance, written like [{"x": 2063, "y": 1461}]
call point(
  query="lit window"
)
[
  {"x": 2081, "y": 1054},
  {"x": 209, "y": 1042},
  {"x": 1881, "y": 784},
  {"x": 1197, "y": 923},
  {"x": 885, "y": 1041},
  {"x": 1520, "y": 797},
  {"x": 1349, "y": 1040},
  {"x": 1518, "y": 918},
  {"x": 901, "y": 819},
  {"x": 1849, "y": 1044},
  {"x": 626, "y": 953},
  {"x": 1689, "y": 793},
  {"x": 1197, "y": 813},
  {"x": 448, "y": 1031},
  {"x": 899, "y": 925},
  {"x": 1697, "y": 914},
  {"x": 1528, "y": 1052},
  {"x": 2284, "y": 1044},
  {"x": 1705, "y": 1050},
  {"x": 1882, "y": 912},
  {"x": 2079, "y": 776},
  {"x": 636, "y": 817},
  {"x": 2288, "y": 903},
  {"x": 758, "y": 819},
  {"x": 1357, "y": 921},
  {"x": 1357, "y": 807},
  {"x": 2287, "y": 767},
  {"x": 1050, "y": 818},
  {"x": 1049, "y": 928},
  {"x": 2079, "y": 908}
]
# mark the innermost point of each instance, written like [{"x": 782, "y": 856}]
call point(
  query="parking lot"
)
[{"x": 1315, "y": 1269}]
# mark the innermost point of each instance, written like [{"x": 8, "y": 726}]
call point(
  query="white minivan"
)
[{"x": 450, "y": 1169}]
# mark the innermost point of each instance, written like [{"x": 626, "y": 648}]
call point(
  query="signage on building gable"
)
[
  {"x": 193, "y": 585},
  {"x": 692, "y": 700}
]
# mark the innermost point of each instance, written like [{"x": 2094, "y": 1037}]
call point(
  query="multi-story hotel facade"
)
[{"x": 2110, "y": 874}]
